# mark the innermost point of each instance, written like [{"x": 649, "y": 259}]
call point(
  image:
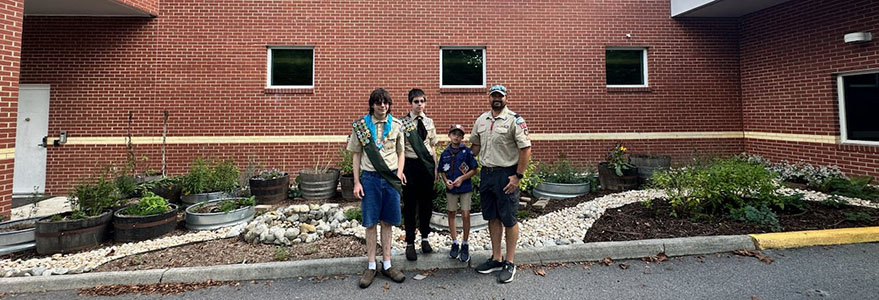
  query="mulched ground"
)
[{"x": 636, "y": 222}]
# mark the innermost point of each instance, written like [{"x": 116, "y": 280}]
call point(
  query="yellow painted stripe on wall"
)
[
  {"x": 790, "y": 137},
  {"x": 822, "y": 139},
  {"x": 8, "y": 153}
]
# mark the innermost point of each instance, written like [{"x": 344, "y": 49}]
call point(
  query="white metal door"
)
[{"x": 30, "y": 150}]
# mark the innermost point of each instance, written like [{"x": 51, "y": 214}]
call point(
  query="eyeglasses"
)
[{"x": 419, "y": 101}]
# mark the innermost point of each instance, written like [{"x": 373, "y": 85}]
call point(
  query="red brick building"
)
[{"x": 711, "y": 78}]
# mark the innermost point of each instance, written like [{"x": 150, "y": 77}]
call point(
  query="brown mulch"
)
[
  {"x": 635, "y": 222},
  {"x": 235, "y": 251},
  {"x": 147, "y": 289}
]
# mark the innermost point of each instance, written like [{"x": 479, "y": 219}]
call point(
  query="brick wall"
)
[
  {"x": 11, "y": 14},
  {"x": 789, "y": 54},
  {"x": 205, "y": 62},
  {"x": 150, "y": 6}
]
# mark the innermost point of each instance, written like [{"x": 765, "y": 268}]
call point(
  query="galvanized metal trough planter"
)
[
  {"x": 18, "y": 240},
  {"x": 191, "y": 199},
  {"x": 440, "y": 221},
  {"x": 213, "y": 220},
  {"x": 553, "y": 190}
]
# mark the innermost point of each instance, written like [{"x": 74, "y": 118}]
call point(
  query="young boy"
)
[{"x": 456, "y": 166}]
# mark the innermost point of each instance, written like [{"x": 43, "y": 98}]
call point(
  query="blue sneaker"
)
[
  {"x": 454, "y": 252},
  {"x": 464, "y": 255}
]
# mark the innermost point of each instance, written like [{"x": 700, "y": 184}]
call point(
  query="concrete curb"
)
[
  {"x": 796, "y": 239},
  {"x": 354, "y": 265}
]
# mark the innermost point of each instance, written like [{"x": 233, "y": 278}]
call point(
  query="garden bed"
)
[{"x": 636, "y": 222}]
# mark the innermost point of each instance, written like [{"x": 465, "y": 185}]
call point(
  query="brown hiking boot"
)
[
  {"x": 394, "y": 274},
  {"x": 366, "y": 278}
]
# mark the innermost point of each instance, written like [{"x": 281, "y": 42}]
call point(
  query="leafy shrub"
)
[
  {"x": 617, "y": 160},
  {"x": 718, "y": 187},
  {"x": 530, "y": 180},
  {"x": 855, "y": 187},
  {"x": 346, "y": 163},
  {"x": 562, "y": 171},
  {"x": 799, "y": 172},
  {"x": 149, "y": 204},
  {"x": 202, "y": 178},
  {"x": 763, "y": 216},
  {"x": 126, "y": 184},
  {"x": 233, "y": 204},
  {"x": 354, "y": 214},
  {"x": 93, "y": 198}
]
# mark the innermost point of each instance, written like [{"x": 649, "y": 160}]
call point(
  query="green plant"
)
[
  {"x": 269, "y": 174},
  {"x": 523, "y": 214},
  {"x": 562, "y": 171},
  {"x": 763, "y": 216},
  {"x": 354, "y": 214},
  {"x": 858, "y": 217},
  {"x": 149, "y": 204},
  {"x": 834, "y": 202},
  {"x": 346, "y": 163},
  {"x": 855, "y": 187},
  {"x": 722, "y": 185},
  {"x": 126, "y": 184},
  {"x": 202, "y": 178},
  {"x": 91, "y": 199},
  {"x": 281, "y": 253},
  {"x": 233, "y": 204},
  {"x": 617, "y": 160},
  {"x": 531, "y": 178}
]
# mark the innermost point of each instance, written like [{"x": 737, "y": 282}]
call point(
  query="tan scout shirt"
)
[
  {"x": 500, "y": 138},
  {"x": 429, "y": 142},
  {"x": 392, "y": 146}
]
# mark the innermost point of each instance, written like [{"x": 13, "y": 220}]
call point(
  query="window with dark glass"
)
[
  {"x": 291, "y": 67},
  {"x": 861, "y": 102},
  {"x": 626, "y": 67},
  {"x": 463, "y": 67}
]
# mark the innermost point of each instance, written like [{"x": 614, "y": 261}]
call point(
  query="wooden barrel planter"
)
[
  {"x": 554, "y": 190},
  {"x": 17, "y": 235},
  {"x": 191, "y": 199},
  {"x": 610, "y": 181},
  {"x": 196, "y": 220},
  {"x": 647, "y": 164},
  {"x": 71, "y": 235},
  {"x": 269, "y": 191},
  {"x": 318, "y": 186},
  {"x": 347, "y": 183},
  {"x": 170, "y": 191},
  {"x": 130, "y": 228}
]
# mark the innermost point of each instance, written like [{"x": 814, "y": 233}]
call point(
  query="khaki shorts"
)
[{"x": 453, "y": 199}]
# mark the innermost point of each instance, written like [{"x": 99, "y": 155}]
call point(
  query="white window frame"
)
[
  {"x": 643, "y": 65},
  {"x": 484, "y": 63},
  {"x": 840, "y": 91},
  {"x": 269, "y": 67}
]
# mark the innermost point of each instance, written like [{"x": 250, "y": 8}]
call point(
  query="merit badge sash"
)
[
  {"x": 410, "y": 129},
  {"x": 372, "y": 152}
]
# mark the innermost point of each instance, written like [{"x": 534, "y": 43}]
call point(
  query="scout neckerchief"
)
[
  {"x": 410, "y": 128},
  {"x": 385, "y": 132},
  {"x": 364, "y": 129}
]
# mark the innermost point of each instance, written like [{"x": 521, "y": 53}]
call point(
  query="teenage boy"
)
[
  {"x": 418, "y": 194},
  {"x": 456, "y": 166}
]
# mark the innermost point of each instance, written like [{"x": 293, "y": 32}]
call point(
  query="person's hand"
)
[
  {"x": 358, "y": 191},
  {"x": 457, "y": 182},
  {"x": 512, "y": 186},
  {"x": 449, "y": 184},
  {"x": 401, "y": 176}
]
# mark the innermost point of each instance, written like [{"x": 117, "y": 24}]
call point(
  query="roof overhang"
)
[
  {"x": 719, "y": 8},
  {"x": 85, "y": 8}
]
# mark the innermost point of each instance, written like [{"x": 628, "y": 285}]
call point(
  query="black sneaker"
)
[
  {"x": 489, "y": 266},
  {"x": 506, "y": 275},
  {"x": 454, "y": 252},
  {"x": 464, "y": 255},
  {"x": 425, "y": 247},
  {"x": 410, "y": 253}
]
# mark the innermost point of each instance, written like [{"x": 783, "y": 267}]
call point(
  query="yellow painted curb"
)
[{"x": 808, "y": 238}]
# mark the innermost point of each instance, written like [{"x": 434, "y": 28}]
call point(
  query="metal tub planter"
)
[
  {"x": 561, "y": 190},
  {"x": 205, "y": 215},
  {"x": 191, "y": 199},
  {"x": 440, "y": 221},
  {"x": 17, "y": 235}
]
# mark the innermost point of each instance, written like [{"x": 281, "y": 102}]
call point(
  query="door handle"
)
[{"x": 43, "y": 144}]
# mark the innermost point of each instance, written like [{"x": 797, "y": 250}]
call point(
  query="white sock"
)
[
  {"x": 464, "y": 243},
  {"x": 386, "y": 264},
  {"x": 455, "y": 242},
  {"x": 372, "y": 265},
  {"x": 424, "y": 240}
]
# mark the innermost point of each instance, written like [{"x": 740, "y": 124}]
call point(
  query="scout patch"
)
[
  {"x": 463, "y": 168},
  {"x": 446, "y": 167},
  {"x": 362, "y": 132}
]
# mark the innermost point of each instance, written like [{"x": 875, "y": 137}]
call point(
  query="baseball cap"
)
[
  {"x": 456, "y": 127},
  {"x": 498, "y": 89}
]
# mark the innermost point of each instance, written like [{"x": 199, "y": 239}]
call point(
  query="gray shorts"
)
[{"x": 495, "y": 203}]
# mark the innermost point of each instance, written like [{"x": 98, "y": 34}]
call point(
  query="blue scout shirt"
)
[{"x": 454, "y": 162}]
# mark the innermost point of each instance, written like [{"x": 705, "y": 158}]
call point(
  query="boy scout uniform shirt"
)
[
  {"x": 500, "y": 138},
  {"x": 392, "y": 146},
  {"x": 429, "y": 142}
]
